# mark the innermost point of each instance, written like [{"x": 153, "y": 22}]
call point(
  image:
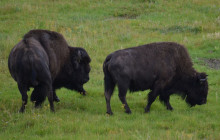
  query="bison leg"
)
[
  {"x": 83, "y": 92},
  {"x": 166, "y": 100},
  {"x": 38, "y": 95},
  {"x": 23, "y": 91},
  {"x": 169, "y": 107},
  {"x": 158, "y": 90},
  {"x": 50, "y": 98},
  {"x": 80, "y": 89},
  {"x": 55, "y": 97},
  {"x": 151, "y": 98},
  {"x": 50, "y": 93},
  {"x": 109, "y": 88},
  {"x": 122, "y": 96},
  {"x": 108, "y": 95}
]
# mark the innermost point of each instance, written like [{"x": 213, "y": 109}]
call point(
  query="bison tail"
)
[
  {"x": 108, "y": 79},
  {"x": 26, "y": 70},
  {"x": 106, "y": 65},
  {"x": 33, "y": 76}
]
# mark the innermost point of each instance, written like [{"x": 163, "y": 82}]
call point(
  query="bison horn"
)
[
  {"x": 202, "y": 80},
  {"x": 79, "y": 56}
]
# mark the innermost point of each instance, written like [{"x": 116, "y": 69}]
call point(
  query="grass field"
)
[{"x": 101, "y": 27}]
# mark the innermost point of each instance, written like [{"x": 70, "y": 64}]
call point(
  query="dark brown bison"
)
[
  {"x": 43, "y": 60},
  {"x": 165, "y": 68}
]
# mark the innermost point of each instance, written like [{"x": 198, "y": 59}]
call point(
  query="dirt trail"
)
[{"x": 212, "y": 63}]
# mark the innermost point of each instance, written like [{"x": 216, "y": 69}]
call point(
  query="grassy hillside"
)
[{"x": 101, "y": 27}]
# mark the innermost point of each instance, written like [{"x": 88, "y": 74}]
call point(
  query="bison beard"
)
[
  {"x": 165, "y": 68},
  {"x": 43, "y": 60}
]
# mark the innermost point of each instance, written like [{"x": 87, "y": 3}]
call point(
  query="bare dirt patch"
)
[{"x": 212, "y": 63}]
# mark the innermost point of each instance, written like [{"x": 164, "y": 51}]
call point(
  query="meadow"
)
[{"x": 101, "y": 27}]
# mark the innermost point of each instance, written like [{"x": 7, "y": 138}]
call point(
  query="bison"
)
[
  {"x": 163, "y": 67},
  {"x": 43, "y": 60}
]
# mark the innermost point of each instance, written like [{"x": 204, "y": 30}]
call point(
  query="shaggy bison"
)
[
  {"x": 43, "y": 60},
  {"x": 165, "y": 68}
]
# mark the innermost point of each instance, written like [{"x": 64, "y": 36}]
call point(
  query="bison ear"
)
[{"x": 78, "y": 56}]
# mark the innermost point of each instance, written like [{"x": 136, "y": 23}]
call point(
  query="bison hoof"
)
[
  {"x": 128, "y": 111},
  {"x": 52, "y": 110},
  {"x": 83, "y": 93},
  {"x": 147, "y": 111},
  {"x": 21, "y": 110},
  {"x": 56, "y": 99},
  {"x": 109, "y": 113},
  {"x": 171, "y": 109},
  {"x": 37, "y": 105}
]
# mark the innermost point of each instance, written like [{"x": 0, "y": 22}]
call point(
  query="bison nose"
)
[
  {"x": 204, "y": 101},
  {"x": 86, "y": 79}
]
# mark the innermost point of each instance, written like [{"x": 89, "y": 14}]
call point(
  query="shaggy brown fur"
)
[
  {"x": 43, "y": 60},
  {"x": 165, "y": 68}
]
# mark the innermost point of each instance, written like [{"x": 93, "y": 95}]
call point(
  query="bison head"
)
[
  {"x": 197, "y": 95},
  {"x": 80, "y": 73}
]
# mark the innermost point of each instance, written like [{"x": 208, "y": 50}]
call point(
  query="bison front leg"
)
[
  {"x": 83, "y": 92},
  {"x": 23, "y": 91},
  {"x": 80, "y": 89},
  {"x": 55, "y": 97},
  {"x": 166, "y": 100},
  {"x": 151, "y": 98},
  {"x": 169, "y": 107},
  {"x": 157, "y": 90}
]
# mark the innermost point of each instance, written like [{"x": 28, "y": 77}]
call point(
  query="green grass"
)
[{"x": 102, "y": 27}]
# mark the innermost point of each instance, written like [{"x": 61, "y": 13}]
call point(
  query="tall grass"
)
[{"x": 102, "y": 27}]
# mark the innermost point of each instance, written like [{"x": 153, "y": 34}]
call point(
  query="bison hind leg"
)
[
  {"x": 23, "y": 90},
  {"x": 123, "y": 87},
  {"x": 109, "y": 89},
  {"x": 55, "y": 97},
  {"x": 38, "y": 95}
]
